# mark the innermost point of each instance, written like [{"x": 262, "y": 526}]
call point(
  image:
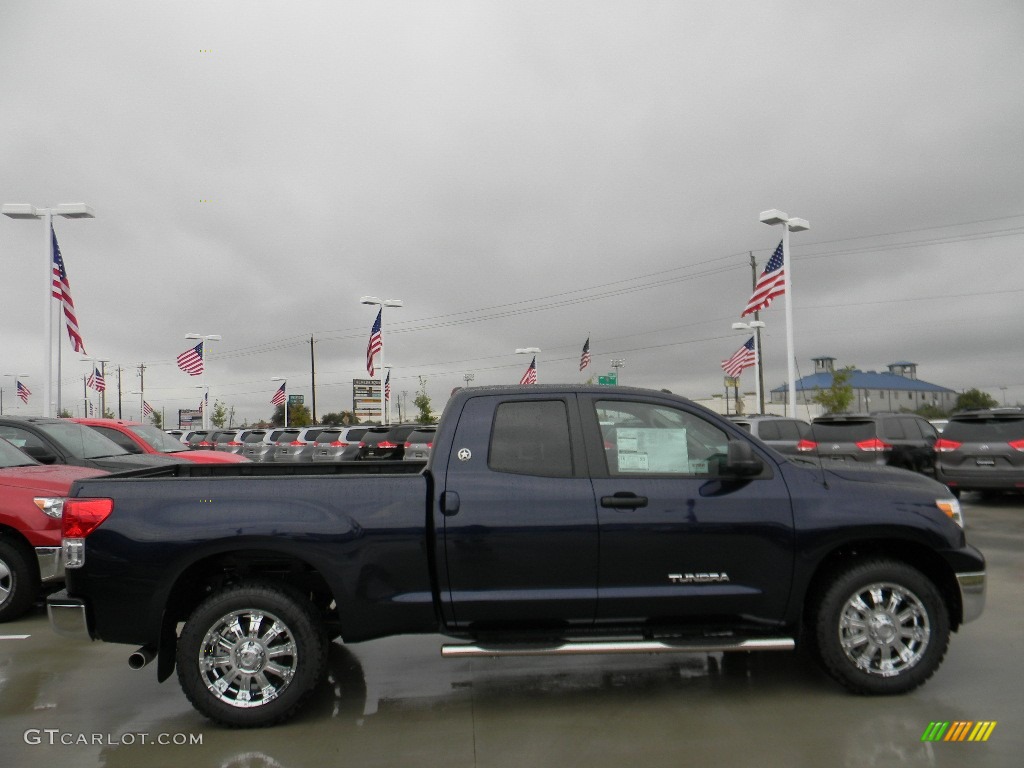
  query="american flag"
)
[
  {"x": 96, "y": 380},
  {"x": 147, "y": 409},
  {"x": 375, "y": 344},
  {"x": 23, "y": 392},
  {"x": 530, "y": 377},
  {"x": 743, "y": 358},
  {"x": 585, "y": 356},
  {"x": 62, "y": 292},
  {"x": 279, "y": 396},
  {"x": 191, "y": 360},
  {"x": 772, "y": 283},
  {"x": 387, "y": 387}
]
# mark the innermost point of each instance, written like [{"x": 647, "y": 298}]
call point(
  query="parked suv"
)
[
  {"x": 982, "y": 451},
  {"x": 297, "y": 446},
  {"x": 338, "y": 444},
  {"x": 791, "y": 437},
  {"x": 893, "y": 439},
  {"x": 420, "y": 443},
  {"x": 385, "y": 443}
]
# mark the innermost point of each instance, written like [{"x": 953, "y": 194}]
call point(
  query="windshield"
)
[
  {"x": 985, "y": 430},
  {"x": 12, "y": 456},
  {"x": 82, "y": 442},
  {"x": 157, "y": 438}
]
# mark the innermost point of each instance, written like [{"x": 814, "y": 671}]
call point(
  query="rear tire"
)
[
  {"x": 250, "y": 655},
  {"x": 882, "y": 628},
  {"x": 19, "y": 580}
]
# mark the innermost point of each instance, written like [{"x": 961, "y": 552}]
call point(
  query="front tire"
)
[
  {"x": 250, "y": 655},
  {"x": 19, "y": 580},
  {"x": 882, "y": 628}
]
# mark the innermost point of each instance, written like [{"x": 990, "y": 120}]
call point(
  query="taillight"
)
[
  {"x": 203, "y": 444},
  {"x": 387, "y": 444},
  {"x": 806, "y": 445},
  {"x": 1017, "y": 445},
  {"x": 873, "y": 445},
  {"x": 296, "y": 443},
  {"x": 339, "y": 444},
  {"x": 942, "y": 445},
  {"x": 362, "y": 444},
  {"x": 82, "y": 516},
  {"x": 408, "y": 444},
  {"x": 234, "y": 443}
]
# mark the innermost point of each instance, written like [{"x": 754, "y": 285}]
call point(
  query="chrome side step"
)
[{"x": 704, "y": 645}]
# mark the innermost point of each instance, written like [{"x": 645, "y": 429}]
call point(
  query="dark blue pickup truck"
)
[{"x": 549, "y": 520}]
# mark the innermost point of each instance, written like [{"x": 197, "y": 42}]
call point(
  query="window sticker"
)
[{"x": 655, "y": 451}]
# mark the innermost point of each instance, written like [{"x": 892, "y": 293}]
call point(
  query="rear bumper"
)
[
  {"x": 68, "y": 616},
  {"x": 51, "y": 564},
  {"x": 998, "y": 480},
  {"x": 972, "y": 594}
]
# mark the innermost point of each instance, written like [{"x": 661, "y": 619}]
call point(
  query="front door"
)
[{"x": 680, "y": 545}]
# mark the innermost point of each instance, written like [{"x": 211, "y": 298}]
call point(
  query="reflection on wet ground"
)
[{"x": 396, "y": 702}]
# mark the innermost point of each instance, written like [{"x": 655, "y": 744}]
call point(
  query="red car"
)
[
  {"x": 137, "y": 437},
  {"x": 31, "y": 503}
]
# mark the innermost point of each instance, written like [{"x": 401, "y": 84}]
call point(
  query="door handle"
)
[
  {"x": 624, "y": 500},
  {"x": 450, "y": 503}
]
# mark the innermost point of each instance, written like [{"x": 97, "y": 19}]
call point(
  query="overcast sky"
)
[{"x": 519, "y": 174}]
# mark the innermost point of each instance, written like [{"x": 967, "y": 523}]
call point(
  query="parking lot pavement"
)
[{"x": 396, "y": 702}]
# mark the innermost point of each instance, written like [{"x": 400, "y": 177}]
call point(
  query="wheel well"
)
[
  {"x": 914, "y": 555},
  {"x": 210, "y": 574},
  {"x": 15, "y": 538}
]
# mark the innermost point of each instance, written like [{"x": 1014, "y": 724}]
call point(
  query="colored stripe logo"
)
[{"x": 959, "y": 730}]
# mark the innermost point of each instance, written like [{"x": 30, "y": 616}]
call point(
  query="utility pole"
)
[
  {"x": 119, "y": 393},
  {"x": 312, "y": 376},
  {"x": 142, "y": 389}
]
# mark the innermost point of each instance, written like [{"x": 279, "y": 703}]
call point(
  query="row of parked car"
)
[
  {"x": 398, "y": 442},
  {"x": 979, "y": 450}
]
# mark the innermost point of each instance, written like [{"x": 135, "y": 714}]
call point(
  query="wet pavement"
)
[{"x": 396, "y": 702}]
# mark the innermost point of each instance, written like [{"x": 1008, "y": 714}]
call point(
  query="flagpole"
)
[{"x": 789, "y": 224}]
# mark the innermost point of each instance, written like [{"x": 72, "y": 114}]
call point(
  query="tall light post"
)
[
  {"x": 206, "y": 360},
  {"x": 468, "y": 377},
  {"x": 142, "y": 403},
  {"x": 17, "y": 377},
  {"x": 755, "y": 326},
  {"x": 617, "y": 363},
  {"x": 284, "y": 388},
  {"x": 789, "y": 224},
  {"x": 68, "y": 211},
  {"x": 374, "y": 301},
  {"x": 535, "y": 351}
]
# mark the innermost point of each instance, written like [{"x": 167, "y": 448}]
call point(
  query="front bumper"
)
[
  {"x": 68, "y": 616},
  {"x": 972, "y": 594}
]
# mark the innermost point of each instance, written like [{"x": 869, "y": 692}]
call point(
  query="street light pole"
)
[
  {"x": 206, "y": 359},
  {"x": 374, "y": 301},
  {"x": 617, "y": 363},
  {"x": 68, "y": 211},
  {"x": 755, "y": 326},
  {"x": 773, "y": 217}
]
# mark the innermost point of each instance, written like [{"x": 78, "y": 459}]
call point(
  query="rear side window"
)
[
  {"x": 770, "y": 431},
  {"x": 531, "y": 438}
]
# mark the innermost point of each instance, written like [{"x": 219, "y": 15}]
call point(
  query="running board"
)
[{"x": 703, "y": 645}]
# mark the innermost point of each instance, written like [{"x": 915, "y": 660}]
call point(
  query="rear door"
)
[
  {"x": 679, "y": 544},
  {"x": 518, "y": 522}
]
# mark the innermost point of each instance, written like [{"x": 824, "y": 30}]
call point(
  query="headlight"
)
[
  {"x": 951, "y": 508},
  {"x": 51, "y": 506}
]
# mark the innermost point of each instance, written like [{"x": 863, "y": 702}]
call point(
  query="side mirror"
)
[{"x": 741, "y": 461}]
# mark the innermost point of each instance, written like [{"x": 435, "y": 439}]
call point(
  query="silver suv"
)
[{"x": 788, "y": 436}]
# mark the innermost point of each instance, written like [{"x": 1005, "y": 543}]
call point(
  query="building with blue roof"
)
[{"x": 897, "y": 389}]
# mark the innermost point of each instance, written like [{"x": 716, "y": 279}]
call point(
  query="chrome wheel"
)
[
  {"x": 884, "y": 629},
  {"x": 6, "y": 582},
  {"x": 248, "y": 658}
]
